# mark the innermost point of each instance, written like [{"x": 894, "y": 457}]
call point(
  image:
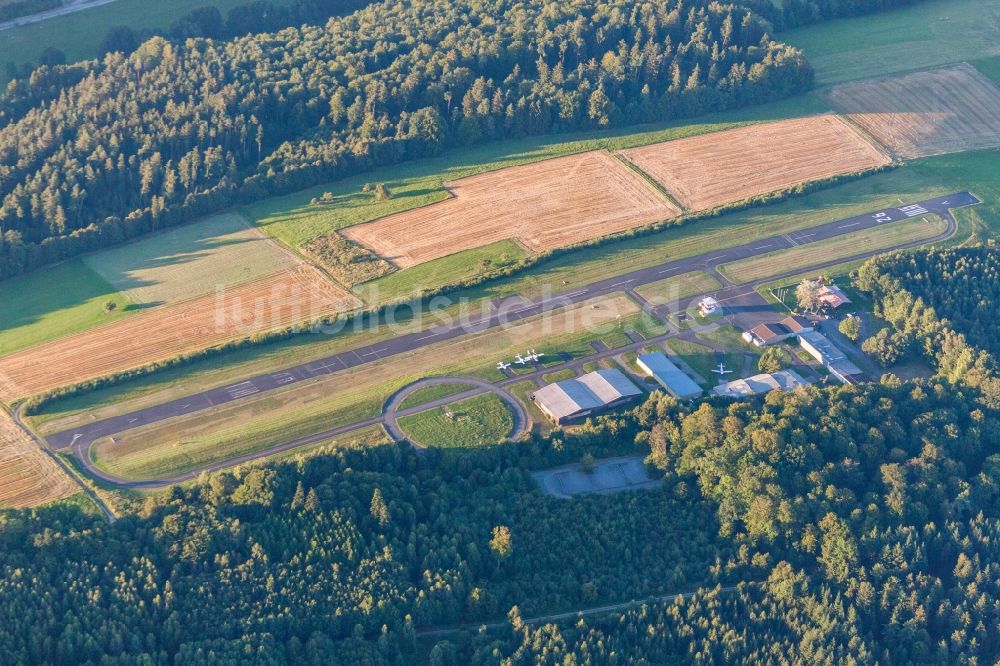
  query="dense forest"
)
[
  {"x": 940, "y": 303},
  {"x": 185, "y": 123},
  {"x": 175, "y": 130},
  {"x": 863, "y": 521}
]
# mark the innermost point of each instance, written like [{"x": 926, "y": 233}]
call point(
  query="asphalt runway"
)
[{"x": 512, "y": 309}]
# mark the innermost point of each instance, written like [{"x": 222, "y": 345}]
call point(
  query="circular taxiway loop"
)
[{"x": 391, "y": 411}]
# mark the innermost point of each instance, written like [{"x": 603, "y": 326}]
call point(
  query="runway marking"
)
[
  {"x": 376, "y": 351},
  {"x": 761, "y": 247},
  {"x": 432, "y": 335},
  {"x": 914, "y": 210},
  {"x": 618, "y": 284},
  {"x": 283, "y": 378},
  {"x": 847, "y": 226},
  {"x": 575, "y": 293},
  {"x": 721, "y": 256},
  {"x": 669, "y": 270},
  {"x": 790, "y": 240},
  {"x": 75, "y": 437}
]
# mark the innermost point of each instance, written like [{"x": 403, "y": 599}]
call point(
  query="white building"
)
[
  {"x": 832, "y": 358},
  {"x": 783, "y": 380},
  {"x": 708, "y": 306}
]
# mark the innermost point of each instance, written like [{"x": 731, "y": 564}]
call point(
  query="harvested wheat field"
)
[
  {"x": 946, "y": 110},
  {"x": 545, "y": 205},
  {"x": 276, "y": 301},
  {"x": 28, "y": 477},
  {"x": 713, "y": 169}
]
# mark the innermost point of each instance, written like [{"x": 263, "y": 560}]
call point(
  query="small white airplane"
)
[
  {"x": 501, "y": 366},
  {"x": 520, "y": 360},
  {"x": 534, "y": 356},
  {"x": 721, "y": 370}
]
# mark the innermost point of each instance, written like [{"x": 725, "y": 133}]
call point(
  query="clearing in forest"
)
[
  {"x": 545, "y": 205},
  {"x": 706, "y": 171},
  {"x": 947, "y": 110},
  {"x": 28, "y": 477},
  {"x": 282, "y": 299},
  {"x": 185, "y": 443}
]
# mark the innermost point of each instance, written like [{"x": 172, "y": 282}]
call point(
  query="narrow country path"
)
[{"x": 567, "y": 615}]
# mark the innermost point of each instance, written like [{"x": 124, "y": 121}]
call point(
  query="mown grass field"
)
[
  {"x": 478, "y": 421},
  {"x": 53, "y": 302},
  {"x": 839, "y": 247},
  {"x": 431, "y": 393},
  {"x": 924, "y": 35},
  {"x": 79, "y": 35},
  {"x": 190, "y": 260},
  {"x": 704, "y": 360},
  {"x": 677, "y": 288},
  {"x": 452, "y": 269}
]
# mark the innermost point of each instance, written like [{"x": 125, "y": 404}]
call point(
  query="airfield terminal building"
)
[{"x": 575, "y": 399}]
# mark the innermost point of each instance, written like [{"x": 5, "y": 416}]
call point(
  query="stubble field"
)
[
  {"x": 272, "y": 302},
  {"x": 947, "y": 110},
  {"x": 544, "y": 205},
  {"x": 706, "y": 171},
  {"x": 28, "y": 477}
]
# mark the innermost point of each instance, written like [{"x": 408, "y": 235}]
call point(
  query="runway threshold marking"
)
[{"x": 791, "y": 240}]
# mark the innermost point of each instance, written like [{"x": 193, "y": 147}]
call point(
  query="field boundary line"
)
[
  {"x": 617, "y": 154},
  {"x": 865, "y": 136}
]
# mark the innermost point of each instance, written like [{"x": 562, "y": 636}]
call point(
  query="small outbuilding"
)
[
  {"x": 833, "y": 297},
  {"x": 668, "y": 375},
  {"x": 708, "y": 306},
  {"x": 574, "y": 399}
]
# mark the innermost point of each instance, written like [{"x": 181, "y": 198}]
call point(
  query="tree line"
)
[
  {"x": 862, "y": 521},
  {"x": 175, "y": 130},
  {"x": 941, "y": 304}
]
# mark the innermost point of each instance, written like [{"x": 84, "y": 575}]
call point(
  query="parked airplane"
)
[
  {"x": 520, "y": 360},
  {"x": 502, "y": 365},
  {"x": 534, "y": 356},
  {"x": 721, "y": 370}
]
